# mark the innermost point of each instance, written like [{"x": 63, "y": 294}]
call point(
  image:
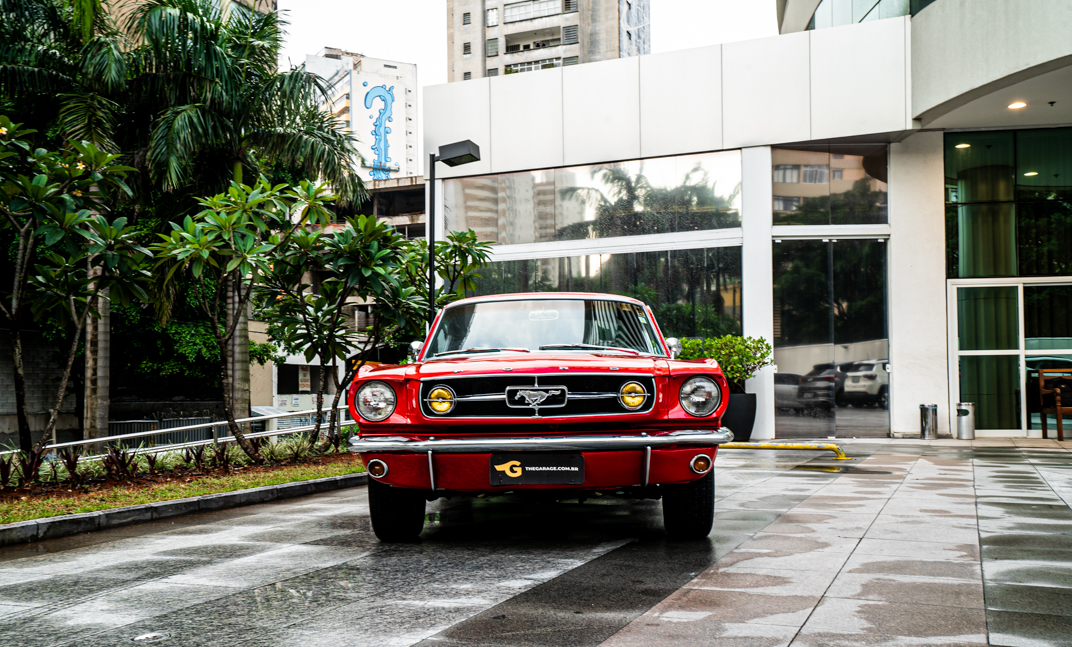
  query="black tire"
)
[
  {"x": 689, "y": 509},
  {"x": 884, "y": 398},
  {"x": 397, "y": 513}
]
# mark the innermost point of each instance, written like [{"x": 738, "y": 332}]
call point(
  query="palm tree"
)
[{"x": 188, "y": 91}]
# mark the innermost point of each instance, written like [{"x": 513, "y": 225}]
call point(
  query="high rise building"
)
[
  {"x": 491, "y": 37},
  {"x": 378, "y": 99}
]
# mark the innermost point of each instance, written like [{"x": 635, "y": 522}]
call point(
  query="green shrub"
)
[{"x": 739, "y": 357}]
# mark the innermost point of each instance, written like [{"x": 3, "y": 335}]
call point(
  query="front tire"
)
[
  {"x": 689, "y": 509},
  {"x": 397, "y": 513}
]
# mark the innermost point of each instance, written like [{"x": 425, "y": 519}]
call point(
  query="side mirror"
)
[
  {"x": 674, "y": 344},
  {"x": 415, "y": 350}
]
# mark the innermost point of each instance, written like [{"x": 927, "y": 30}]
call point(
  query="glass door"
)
[{"x": 1001, "y": 333}]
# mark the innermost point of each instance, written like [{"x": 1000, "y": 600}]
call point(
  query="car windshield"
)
[{"x": 545, "y": 324}]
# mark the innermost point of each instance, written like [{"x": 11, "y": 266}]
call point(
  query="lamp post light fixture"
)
[{"x": 454, "y": 154}]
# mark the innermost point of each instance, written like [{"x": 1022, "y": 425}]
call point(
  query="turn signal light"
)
[
  {"x": 632, "y": 395},
  {"x": 376, "y": 468},
  {"x": 701, "y": 464}
]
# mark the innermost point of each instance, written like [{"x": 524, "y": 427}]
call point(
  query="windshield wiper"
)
[
  {"x": 483, "y": 350},
  {"x": 590, "y": 347}
]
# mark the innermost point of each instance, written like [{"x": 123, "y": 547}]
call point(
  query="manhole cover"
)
[{"x": 150, "y": 638}]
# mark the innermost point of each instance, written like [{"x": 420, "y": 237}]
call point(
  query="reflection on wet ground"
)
[
  {"x": 867, "y": 421},
  {"x": 911, "y": 542}
]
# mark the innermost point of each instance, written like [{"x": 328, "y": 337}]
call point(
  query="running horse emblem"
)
[{"x": 535, "y": 398}]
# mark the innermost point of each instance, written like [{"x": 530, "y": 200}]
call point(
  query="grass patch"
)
[{"x": 167, "y": 488}]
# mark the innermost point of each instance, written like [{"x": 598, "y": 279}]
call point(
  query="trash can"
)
[
  {"x": 928, "y": 421},
  {"x": 966, "y": 421}
]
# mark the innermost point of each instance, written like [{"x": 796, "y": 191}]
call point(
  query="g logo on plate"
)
[{"x": 512, "y": 468}]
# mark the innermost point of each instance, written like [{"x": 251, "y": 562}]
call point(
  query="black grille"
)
[{"x": 576, "y": 385}]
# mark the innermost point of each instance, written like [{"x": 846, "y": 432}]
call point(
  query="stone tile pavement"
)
[
  {"x": 920, "y": 543},
  {"x": 910, "y": 543}
]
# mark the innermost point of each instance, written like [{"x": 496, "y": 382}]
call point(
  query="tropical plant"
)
[
  {"x": 65, "y": 252},
  {"x": 30, "y": 464},
  {"x": 740, "y": 358},
  {"x": 7, "y": 461},
  {"x": 120, "y": 463},
  {"x": 229, "y": 248},
  {"x": 70, "y": 456}
]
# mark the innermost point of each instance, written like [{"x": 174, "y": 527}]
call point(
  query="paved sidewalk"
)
[{"x": 921, "y": 543}]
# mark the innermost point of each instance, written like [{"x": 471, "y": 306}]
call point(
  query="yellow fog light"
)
[
  {"x": 700, "y": 464},
  {"x": 632, "y": 395},
  {"x": 441, "y": 400},
  {"x": 376, "y": 468}
]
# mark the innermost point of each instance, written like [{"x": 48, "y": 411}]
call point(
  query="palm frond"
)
[
  {"x": 88, "y": 117},
  {"x": 176, "y": 138}
]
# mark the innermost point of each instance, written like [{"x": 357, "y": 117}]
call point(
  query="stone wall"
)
[{"x": 44, "y": 368}]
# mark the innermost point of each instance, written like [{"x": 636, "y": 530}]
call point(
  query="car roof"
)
[{"x": 531, "y": 296}]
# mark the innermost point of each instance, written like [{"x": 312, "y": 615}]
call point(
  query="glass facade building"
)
[{"x": 1009, "y": 264}]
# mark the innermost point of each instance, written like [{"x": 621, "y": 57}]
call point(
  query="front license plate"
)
[{"x": 537, "y": 469}]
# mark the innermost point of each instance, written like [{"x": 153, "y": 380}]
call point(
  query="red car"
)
[{"x": 575, "y": 395}]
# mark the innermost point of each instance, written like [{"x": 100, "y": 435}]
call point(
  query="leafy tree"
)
[
  {"x": 65, "y": 255},
  {"x": 227, "y": 249},
  {"x": 323, "y": 273}
]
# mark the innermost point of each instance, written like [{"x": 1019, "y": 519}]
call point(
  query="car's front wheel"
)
[
  {"x": 397, "y": 513},
  {"x": 689, "y": 509}
]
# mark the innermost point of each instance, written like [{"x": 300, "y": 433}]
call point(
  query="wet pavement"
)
[{"x": 910, "y": 543}]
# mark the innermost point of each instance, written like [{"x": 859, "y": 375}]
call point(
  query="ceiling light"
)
[
  {"x": 1031, "y": 174},
  {"x": 1016, "y": 105},
  {"x": 963, "y": 146}
]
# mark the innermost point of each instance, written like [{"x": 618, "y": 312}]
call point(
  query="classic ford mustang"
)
[{"x": 573, "y": 395}]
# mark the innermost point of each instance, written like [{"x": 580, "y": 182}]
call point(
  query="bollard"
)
[
  {"x": 966, "y": 421},
  {"x": 928, "y": 421}
]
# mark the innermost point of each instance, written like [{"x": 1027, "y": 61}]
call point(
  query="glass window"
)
[
  {"x": 1048, "y": 317},
  {"x": 1009, "y": 201},
  {"x": 988, "y": 319},
  {"x": 655, "y": 196},
  {"x": 830, "y": 339},
  {"x": 787, "y": 173},
  {"x": 531, "y": 9},
  {"x": 467, "y": 18},
  {"x": 530, "y": 66},
  {"x": 992, "y": 382},
  {"x": 493, "y": 17},
  {"x": 830, "y": 184},
  {"x": 1032, "y": 364},
  {"x": 492, "y": 47},
  {"x": 693, "y": 293}
]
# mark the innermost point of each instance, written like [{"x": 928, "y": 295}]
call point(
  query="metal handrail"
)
[
  {"x": 203, "y": 425},
  {"x": 195, "y": 443}
]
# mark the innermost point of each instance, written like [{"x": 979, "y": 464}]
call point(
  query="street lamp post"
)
[{"x": 454, "y": 154}]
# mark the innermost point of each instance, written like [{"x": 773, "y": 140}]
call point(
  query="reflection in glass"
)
[
  {"x": 1048, "y": 317},
  {"x": 988, "y": 318},
  {"x": 693, "y": 293},
  {"x": 1034, "y": 403},
  {"x": 1044, "y": 165},
  {"x": 654, "y": 196},
  {"x": 1044, "y": 238},
  {"x": 830, "y": 341},
  {"x": 821, "y": 185},
  {"x": 992, "y": 383}
]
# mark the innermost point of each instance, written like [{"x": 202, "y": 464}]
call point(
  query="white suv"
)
[{"x": 868, "y": 383}]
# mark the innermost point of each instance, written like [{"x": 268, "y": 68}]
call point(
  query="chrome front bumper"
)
[{"x": 395, "y": 444}]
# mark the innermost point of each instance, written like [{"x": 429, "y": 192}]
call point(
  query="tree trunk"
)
[
  {"x": 232, "y": 404},
  {"x": 320, "y": 400},
  {"x": 239, "y": 359},
  {"x": 25, "y": 439},
  {"x": 98, "y": 371}
]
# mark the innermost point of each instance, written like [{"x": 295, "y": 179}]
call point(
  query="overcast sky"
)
[{"x": 414, "y": 31}]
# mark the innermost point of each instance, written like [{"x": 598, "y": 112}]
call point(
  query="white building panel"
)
[
  {"x": 765, "y": 91},
  {"x": 917, "y": 297},
  {"x": 526, "y": 120},
  {"x": 458, "y": 111},
  {"x": 601, "y": 111},
  {"x": 858, "y": 79},
  {"x": 681, "y": 102},
  {"x": 757, "y": 275}
]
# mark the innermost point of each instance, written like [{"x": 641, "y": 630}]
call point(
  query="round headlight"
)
[
  {"x": 700, "y": 396},
  {"x": 632, "y": 395},
  {"x": 375, "y": 401},
  {"x": 441, "y": 400}
]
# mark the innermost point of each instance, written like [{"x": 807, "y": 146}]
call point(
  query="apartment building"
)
[
  {"x": 492, "y": 38},
  {"x": 378, "y": 99}
]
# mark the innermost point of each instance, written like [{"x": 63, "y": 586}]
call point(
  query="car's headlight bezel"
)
[
  {"x": 386, "y": 411},
  {"x": 689, "y": 407},
  {"x": 432, "y": 400}
]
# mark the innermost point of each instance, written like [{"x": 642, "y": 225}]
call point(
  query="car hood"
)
[{"x": 539, "y": 362}]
